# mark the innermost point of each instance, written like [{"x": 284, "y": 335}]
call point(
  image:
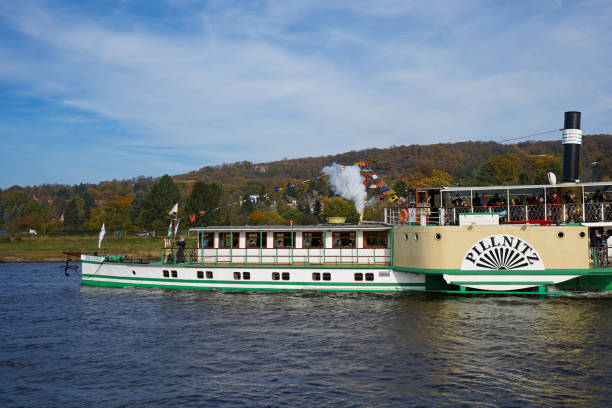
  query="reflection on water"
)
[{"x": 64, "y": 344}]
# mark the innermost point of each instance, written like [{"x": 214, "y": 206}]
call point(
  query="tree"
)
[
  {"x": 258, "y": 217},
  {"x": 115, "y": 215},
  {"x": 71, "y": 215},
  {"x": 159, "y": 201},
  {"x": 339, "y": 207},
  {"x": 500, "y": 170},
  {"x": 203, "y": 197},
  {"x": 137, "y": 205}
]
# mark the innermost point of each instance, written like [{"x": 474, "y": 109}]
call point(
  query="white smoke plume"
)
[{"x": 347, "y": 182}]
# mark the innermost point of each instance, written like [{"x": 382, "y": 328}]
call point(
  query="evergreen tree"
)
[
  {"x": 159, "y": 201},
  {"x": 71, "y": 215},
  {"x": 203, "y": 197},
  {"x": 137, "y": 205}
]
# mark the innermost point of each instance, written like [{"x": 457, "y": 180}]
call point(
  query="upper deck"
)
[
  {"x": 588, "y": 204},
  {"x": 329, "y": 245}
]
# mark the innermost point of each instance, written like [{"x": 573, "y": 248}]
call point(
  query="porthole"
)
[
  {"x": 416, "y": 236},
  {"x": 405, "y": 237},
  {"x": 560, "y": 234},
  {"x": 438, "y": 236},
  {"x": 134, "y": 273},
  {"x": 582, "y": 234}
]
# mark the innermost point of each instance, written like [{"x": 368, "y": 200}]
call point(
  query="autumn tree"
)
[
  {"x": 339, "y": 207},
  {"x": 500, "y": 170}
]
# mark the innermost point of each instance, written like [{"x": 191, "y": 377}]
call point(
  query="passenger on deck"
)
[
  {"x": 180, "y": 253},
  {"x": 554, "y": 199},
  {"x": 457, "y": 201},
  {"x": 476, "y": 200}
]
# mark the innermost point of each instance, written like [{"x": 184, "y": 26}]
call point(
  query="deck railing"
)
[
  {"x": 358, "y": 257},
  {"x": 600, "y": 256},
  {"x": 557, "y": 213}
]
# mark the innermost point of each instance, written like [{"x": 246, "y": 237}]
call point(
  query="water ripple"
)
[{"x": 68, "y": 345}]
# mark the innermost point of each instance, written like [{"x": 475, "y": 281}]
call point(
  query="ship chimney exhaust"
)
[{"x": 572, "y": 139}]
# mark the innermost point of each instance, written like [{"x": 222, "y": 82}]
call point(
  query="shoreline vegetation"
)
[{"x": 50, "y": 249}]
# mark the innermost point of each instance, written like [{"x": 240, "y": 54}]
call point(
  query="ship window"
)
[
  {"x": 358, "y": 276},
  {"x": 582, "y": 234},
  {"x": 316, "y": 276},
  {"x": 312, "y": 240},
  {"x": 134, "y": 273},
  {"x": 246, "y": 275},
  {"x": 236, "y": 275},
  {"x": 284, "y": 239},
  {"x": 285, "y": 275},
  {"x": 174, "y": 274},
  {"x": 369, "y": 276},
  {"x": 253, "y": 241},
  {"x": 166, "y": 274},
  {"x": 275, "y": 276},
  {"x": 438, "y": 236},
  {"x": 200, "y": 274},
  {"x": 375, "y": 239},
  {"x": 344, "y": 239},
  {"x": 207, "y": 239},
  {"x": 224, "y": 239},
  {"x": 560, "y": 234},
  {"x": 209, "y": 275},
  {"x": 326, "y": 276}
]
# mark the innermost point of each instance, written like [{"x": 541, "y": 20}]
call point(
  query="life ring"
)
[{"x": 403, "y": 215}]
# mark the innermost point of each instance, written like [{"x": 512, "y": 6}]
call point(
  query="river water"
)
[{"x": 63, "y": 344}]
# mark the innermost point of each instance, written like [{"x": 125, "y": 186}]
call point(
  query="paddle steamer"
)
[{"x": 444, "y": 240}]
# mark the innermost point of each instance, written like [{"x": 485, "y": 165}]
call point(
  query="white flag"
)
[
  {"x": 102, "y": 233},
  {"x": 176, "y": 227},
  {"x": 174, "y": 209}
]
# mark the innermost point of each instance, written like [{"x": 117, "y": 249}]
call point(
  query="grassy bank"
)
[{"x": 48, "y": 249}]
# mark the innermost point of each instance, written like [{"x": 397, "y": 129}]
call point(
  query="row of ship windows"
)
[{"x": 316, "y": 276}]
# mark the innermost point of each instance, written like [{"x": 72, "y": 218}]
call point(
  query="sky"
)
[{"x": 115, "y": 89}]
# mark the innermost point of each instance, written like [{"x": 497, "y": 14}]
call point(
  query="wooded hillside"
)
[{"x": 223, "y": 194}]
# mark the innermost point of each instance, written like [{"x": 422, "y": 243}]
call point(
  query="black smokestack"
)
[{"x": 572, "y": 139}]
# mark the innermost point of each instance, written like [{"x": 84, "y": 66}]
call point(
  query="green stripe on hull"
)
[
  {"x": 247, "y": 282},
  {"x": 467, "y": 283},
  {"x": 569, "y": 272},
  {"x": 153, "y": 285}
]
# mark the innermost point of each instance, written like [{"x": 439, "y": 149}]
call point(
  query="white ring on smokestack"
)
[{"x": 571, "y": 136}]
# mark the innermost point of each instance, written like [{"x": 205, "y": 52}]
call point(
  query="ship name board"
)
[{"x": 502, "y": 252}]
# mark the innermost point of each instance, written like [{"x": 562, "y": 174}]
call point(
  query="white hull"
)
[{"x": 259, "y": 278}]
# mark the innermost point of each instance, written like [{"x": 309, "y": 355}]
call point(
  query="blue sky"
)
[{"x": 118, "y": 89}]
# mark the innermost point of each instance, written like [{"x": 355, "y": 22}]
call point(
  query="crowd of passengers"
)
[{"x": 554, "y": 199}]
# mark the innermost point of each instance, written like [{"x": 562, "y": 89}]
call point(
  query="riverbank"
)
[{"x": 49, "y": 249}]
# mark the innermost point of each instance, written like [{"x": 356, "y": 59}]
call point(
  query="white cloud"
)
[{"x": 301, "y": 78}]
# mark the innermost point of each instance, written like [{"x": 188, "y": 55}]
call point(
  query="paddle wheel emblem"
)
[{"x": 502, "y": 252}]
